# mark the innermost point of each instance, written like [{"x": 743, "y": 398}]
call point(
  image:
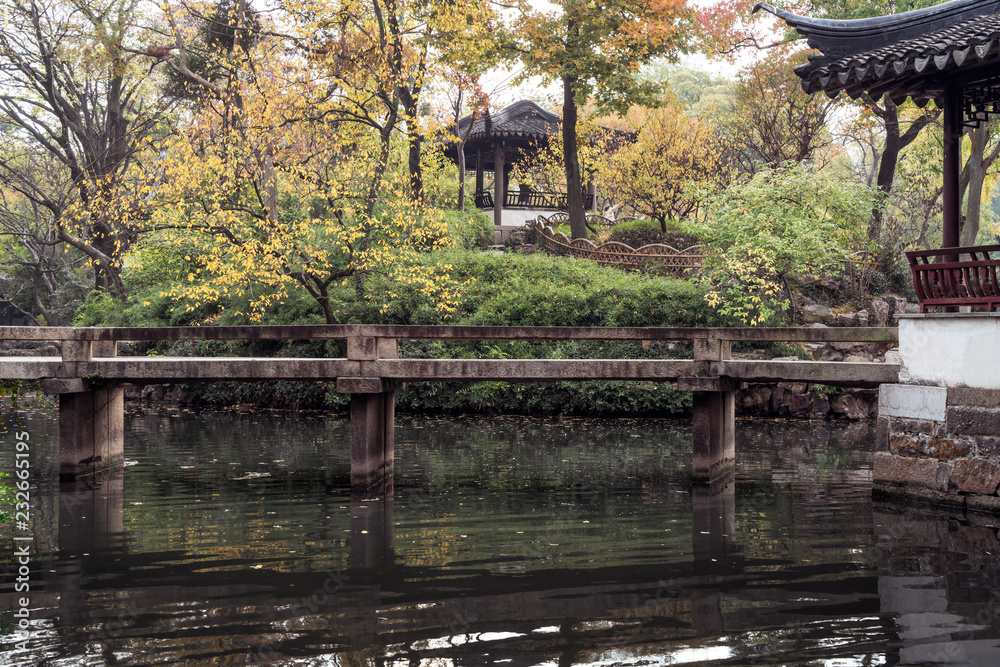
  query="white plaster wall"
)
[
  {"x": 950, "y": 350},
  {"x": 513, "y": 219}
]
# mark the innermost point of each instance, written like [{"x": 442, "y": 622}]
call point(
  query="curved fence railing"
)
[{"x": 676, "y": 262}]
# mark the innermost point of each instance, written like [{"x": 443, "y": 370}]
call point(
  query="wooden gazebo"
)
[
  {"x": 496, "y": 143},
  {"x": 949, "y": 54}
]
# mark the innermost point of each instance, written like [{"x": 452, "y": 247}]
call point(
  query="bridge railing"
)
[
  {"x": 446, "y": 332},
  {"x": 374, "y": 344}
]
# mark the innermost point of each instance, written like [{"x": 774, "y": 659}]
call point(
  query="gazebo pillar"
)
[
  {"x": 950, "y": 194},
  {"x": 479, "y": 171},
  {"x": 499, "y": 186}
]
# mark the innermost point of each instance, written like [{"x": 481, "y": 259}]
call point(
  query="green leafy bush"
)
[
  {"x": 637, "y": 233},
  {"x": 782, "y": 221},
  {"x": 497, "y": 289},
  {"x": 471, "y": 229}
]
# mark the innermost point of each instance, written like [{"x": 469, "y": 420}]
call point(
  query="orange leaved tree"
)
[{"x": 594, "y": 49}]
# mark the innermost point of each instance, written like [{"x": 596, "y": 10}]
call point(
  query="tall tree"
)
[
  {"x": 728, "y": 25},
  {"x": 771, "y": 119},
  {"x": 595, "y": 49},
  {"x": 276, "y": 181},
  {"x": 74, "y": 95},
  {"x": 984, "y": 148},
  {"x": 672, "y": 152}
]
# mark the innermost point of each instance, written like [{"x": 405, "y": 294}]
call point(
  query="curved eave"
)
[
  {"x": 968, "y": 52},
  {"x": 838, "y": 38}
]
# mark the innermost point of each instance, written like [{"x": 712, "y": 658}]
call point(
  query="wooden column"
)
[
  {"x": 91, "y": 419},
  {"x": 592, "y": 193},
  {"x": 499, "y": 185},
  {"x": 373, "y": 411},
  {"x": 950, "y": 194},
  {"x": 479, "y": 170},
  {"x": 714, "y": 442}
]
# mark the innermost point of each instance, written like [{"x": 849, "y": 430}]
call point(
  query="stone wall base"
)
[{"x": 940, "y": 445}]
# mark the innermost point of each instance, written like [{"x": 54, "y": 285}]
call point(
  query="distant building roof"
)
[{"x": 913, "y": 54}]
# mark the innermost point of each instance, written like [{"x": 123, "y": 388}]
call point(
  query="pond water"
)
[{"x": 232, "y": 539}]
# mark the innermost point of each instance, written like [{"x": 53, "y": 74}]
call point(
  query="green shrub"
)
[
  {"x": 471, "y": 228},
  {"x": 637, "y": 233},
  {"x": 497, "y": 289}
]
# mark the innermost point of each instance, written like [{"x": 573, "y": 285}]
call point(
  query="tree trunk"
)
[
  {"x": 571, "y": 157},
  {"x": 461, "y": 175},
  {"x": 894, "y": 143},
  {"x": 974, "y": 191},
  {"x": 413, "y": 142},
  {"x": 887, "y": 165}
]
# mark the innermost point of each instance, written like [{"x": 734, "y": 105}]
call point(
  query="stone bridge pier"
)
[
  {"x": 939, "y": 427},
  {"x": 91, "y": 416}
]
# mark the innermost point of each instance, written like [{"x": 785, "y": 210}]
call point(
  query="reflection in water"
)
[
  {"x": 234, "y": 540},
  {"x": 939, "y": 580}
]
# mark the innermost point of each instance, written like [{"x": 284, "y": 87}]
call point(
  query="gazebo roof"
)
[
  {"x": 913, "y": 54},
  {"x": 521, "y": 120}
]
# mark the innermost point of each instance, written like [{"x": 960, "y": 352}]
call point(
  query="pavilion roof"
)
[
  {"x": 522, "y": 120},
  {"x": 913, "y": 54}
]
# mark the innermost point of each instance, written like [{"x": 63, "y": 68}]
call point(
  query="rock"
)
[
  {"x": 975, "y": 476},
  {"x": 154, "y": 393},
  {"x": 757, "y": 398},
  {"x": 892, "y": 356},
  {"x": 849, "y": 406},
  {"x": 897, "y": 305},
  {"x": 879, "y": 313},
  {"x": 861, "y": 318},
  {"x": 852, "y": 358},
  {"x": 821, "y": 406},
  {"x": 777, "y": 399},
  {"x": 786, "y": 359},
  {"x": 912, "y": 308},
  {"x": 796, "y": 404},
  {"x": 832, "y": 355},
  {"x": 817, "y": 313},
  {"x": 847, "y": 319},
  {"x": 816, "y": 325}
]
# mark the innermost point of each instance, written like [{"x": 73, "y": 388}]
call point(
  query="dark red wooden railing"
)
[
  {"x": 546, "y": 201},
  {"x": 941, "y": 281}
]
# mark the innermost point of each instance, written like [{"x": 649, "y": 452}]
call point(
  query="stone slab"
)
[
  {"x": 65, "y": 386},
  {"x": 904, "y": 470},
  {"x": 913, "y": 402},
  {"x": 975, "y": 476},
  {"x": 359, "y": 386},
  {"x": 968, "y": 396},
  {"x": 880, "y": 491},
  {"x": 973, "y": 421}
]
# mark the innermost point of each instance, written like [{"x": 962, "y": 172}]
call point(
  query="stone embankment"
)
[{"x": 940, "y": 444}]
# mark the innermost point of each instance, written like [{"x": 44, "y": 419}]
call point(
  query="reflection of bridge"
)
[
  {"x": 88, "y": 374},
  {"x": 927, "y": 585},
  {"x": 131, "y": 603}
]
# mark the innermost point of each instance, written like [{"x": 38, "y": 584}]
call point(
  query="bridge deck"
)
[{"x": 198, "y": 369}]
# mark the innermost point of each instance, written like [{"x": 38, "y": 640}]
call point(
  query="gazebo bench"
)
[{"x": 972, "y": 282}]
